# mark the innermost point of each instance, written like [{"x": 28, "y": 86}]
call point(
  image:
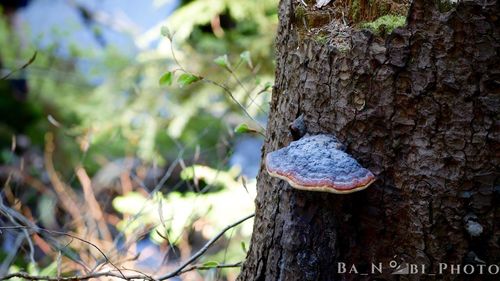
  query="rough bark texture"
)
[{"x": 421, "y": 110}]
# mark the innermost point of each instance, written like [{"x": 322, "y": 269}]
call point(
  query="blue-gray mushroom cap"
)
[{"x": 317, "y": 163}]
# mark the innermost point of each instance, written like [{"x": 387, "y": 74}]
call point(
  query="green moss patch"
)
[{"x": 385, "y": 24}]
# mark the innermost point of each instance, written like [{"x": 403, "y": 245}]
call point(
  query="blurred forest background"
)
[{"x": 135, "y": 126}]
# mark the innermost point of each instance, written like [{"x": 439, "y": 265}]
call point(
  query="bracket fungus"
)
[{"x": 318, "y": 163}]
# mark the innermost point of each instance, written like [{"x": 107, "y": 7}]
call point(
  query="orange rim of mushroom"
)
[{"x": 324, "y": 185}]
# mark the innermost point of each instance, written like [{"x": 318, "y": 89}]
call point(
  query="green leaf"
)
[
  {"x": 242, "y": 128},
  {"x": 166, "y": 32},
  {"x": 166, "y": 79},
  {"x": 187, "y": 78},
  {"x": 243, "y": 246},
  {"x": 210, "y": 264},
  {"x": 222, "y": 61},
  {"x": 245, "y": 56}
]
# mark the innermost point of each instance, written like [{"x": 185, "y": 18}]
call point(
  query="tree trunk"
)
[{"x": 419, "y": 108}]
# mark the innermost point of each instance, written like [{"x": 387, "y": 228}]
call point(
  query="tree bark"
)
[{"x": 420, "y": 108}]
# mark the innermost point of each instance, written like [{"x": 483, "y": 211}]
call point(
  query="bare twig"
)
[
  {"x": 247, "y": 92},
  {"x": 92, "y": 204},
  {"x": 5, "y": 210},
  {"x": 4, "y": 267},
  {"x": 140, "y": 276},
  {"x": 193, "y": 258},
  {"x": 24, "y": 224},
  {"x": 27, "y": 276},
  {"x": 230, "y": 94},
  {"x": 30, "y": 61},
  {"x": 66, "y": 195},
  {"x": 39, "y": 229},
  {"x": 117, "y": 273},
  {"x": 226, "y": 90}
]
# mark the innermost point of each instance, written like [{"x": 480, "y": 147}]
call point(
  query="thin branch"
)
[
  {"x": 5, "y": 210},
  {"x": 26, "y": 276},
  {"x": 92, "y": 204},
  {"x": 4, "y": 267},
  {"x": 184, "y": 267},
  {"x": 227, "y": 91},
  {"x": 30, "y": 61},
  {"x": 247, "y": 92},
  {"x": 140, "y": 276},
  {"x": 39, "y": 229},
  {"x": 65, "y": 194},
  {"x": 193, "y": 258},
  {"x": 204, "y": 267},
  {"x": 23, "y": 223}
]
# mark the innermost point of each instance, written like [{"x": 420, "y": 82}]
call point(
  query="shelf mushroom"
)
[{"x": 318, "y": 163}]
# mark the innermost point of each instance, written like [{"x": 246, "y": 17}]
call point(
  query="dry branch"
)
[{"x": 183, "y": 268}]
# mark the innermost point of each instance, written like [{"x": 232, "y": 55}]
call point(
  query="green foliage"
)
[
  {"x": 385, "y": 24},
  {"x": 245, "y": 56},
  {"x": 187, "y": 79},
  {"x": 166, "y": 32},
  {"x": 267, "y": 86},
  {"x": 244, "y": 247},
  {"x": 138, "y": 116},
  {"x": 210, "y": 264},
  {"x": 242, "y": 128},
  {"x": 223, "y": 61},
  {"x": 252, "y": 26},
  {"x": 121, "y": 107},
  {"x": 172, "y": 214},
  {"x": 166, "y": 79},
  {"x": 33, "y": 269}
]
